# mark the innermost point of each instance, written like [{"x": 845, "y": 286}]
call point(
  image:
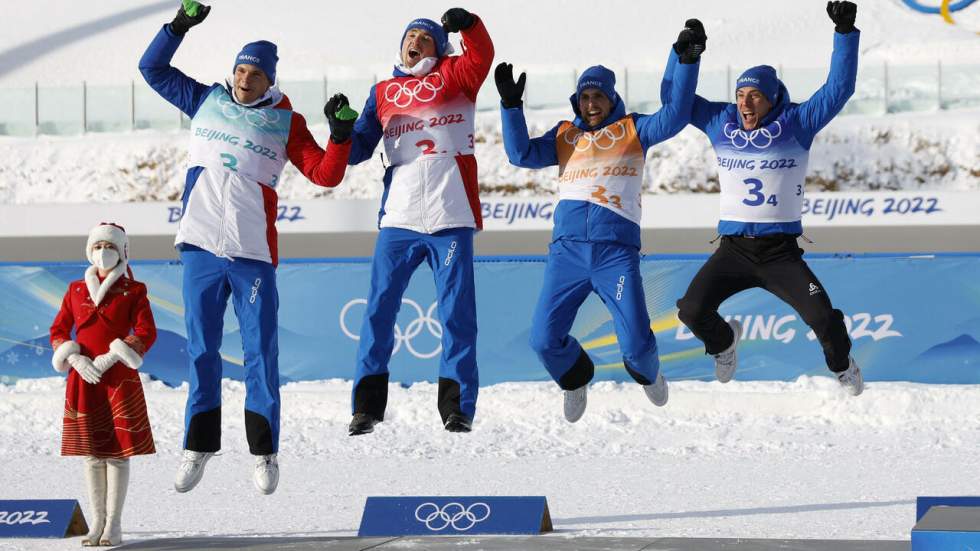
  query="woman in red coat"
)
[{"x": 105, "y": 416}]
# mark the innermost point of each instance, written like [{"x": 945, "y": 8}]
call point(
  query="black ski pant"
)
[{"x": 774, "y": 263}]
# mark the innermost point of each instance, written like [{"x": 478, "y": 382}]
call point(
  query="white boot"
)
[
  {"x": 851, "y": 378},
  {"x": 190, "y": 470},
  {"x": 117, "y": 478},
  {"x": 657, "y": 391},
  {"x": 727, "y": 361},
  {"x": 266, "y": 475},
  {"x": 575, "y": 402},
  {"x": 95, "y": 477}
]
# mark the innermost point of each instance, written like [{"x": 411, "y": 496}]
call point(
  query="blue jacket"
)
[
  {"x": 582, "y": 220},
  {"x": 805, "y": 119}
]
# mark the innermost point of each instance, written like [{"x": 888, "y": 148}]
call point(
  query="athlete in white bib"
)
[
  {"x": 596, "y": 240},
  {"x": 762, "y": 144},
  {"x": 242, "y": 134},
  {"x": 430, "y": 208}
]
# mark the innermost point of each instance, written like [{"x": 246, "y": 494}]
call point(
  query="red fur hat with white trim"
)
[{"x": 113, "y": 233}]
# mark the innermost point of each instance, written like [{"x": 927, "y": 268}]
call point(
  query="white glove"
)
[
  {"x": 103, "y": 362},
  {"x": 85, "y": 368},
  {"x": 59, "y": 361}
]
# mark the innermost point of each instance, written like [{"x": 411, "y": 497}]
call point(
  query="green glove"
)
[
  {"x": 340, "y": 117},
  {"x": 190, "y": 13},
  {"x": 191, "y": 7},
  {"x": 346, "y": 114}
]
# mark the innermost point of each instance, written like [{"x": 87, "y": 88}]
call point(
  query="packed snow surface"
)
[{"x": 748, "y": 459}]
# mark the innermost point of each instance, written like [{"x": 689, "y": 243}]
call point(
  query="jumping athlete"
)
[
  {"x": 429, "y": 210},
  {"x": 762, "y": 143},
  {"x": 596, "y": 239},
  {"x": 242, "y": 133}
]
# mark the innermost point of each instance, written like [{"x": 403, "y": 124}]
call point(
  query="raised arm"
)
[
  {"x": 470, "y": 69},
  {"x": 367, "y": 131},
  {"x": 702, "y": 110},
  {"x": 521, "y": 150},
  {"x": 174, "y": 86},
  {"x": 675, "y": 112},
  {"x": 827, "y": 102},
  {"x": 323, "y": 168}
]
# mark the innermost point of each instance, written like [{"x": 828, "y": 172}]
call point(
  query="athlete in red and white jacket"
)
[
  {"x": 425, "y": 114},
  {"x": 429, "y": 211},
  {"x": 243, "y": 132}
]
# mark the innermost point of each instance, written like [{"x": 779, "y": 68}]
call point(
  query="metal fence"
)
[{"x": 881, "y": 88}]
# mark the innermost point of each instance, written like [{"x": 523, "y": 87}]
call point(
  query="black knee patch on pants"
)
[
  {"x": 448, "y": 398},
  {"x": 636, "y": 374},
  {"x": 371, "y": 396},
  {"x": 259, "y": 434},
  {"x": 580, "y": 374},
  {"x": 204, "y": 431}
]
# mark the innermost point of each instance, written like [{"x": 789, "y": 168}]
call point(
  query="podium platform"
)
[{"x": 494, "y": 543}]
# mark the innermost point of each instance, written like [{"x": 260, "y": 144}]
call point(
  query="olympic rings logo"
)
[
  {"x": 740, "y": 139},
  {"x": 945, "y": 7},
  {"x": 451, "y": 514},
  {"x": 424, "y": 90},
  {"x": 259, "y": 118},
  {"x": 425, "y": 320},
  {"x": 603, "y": 139}
]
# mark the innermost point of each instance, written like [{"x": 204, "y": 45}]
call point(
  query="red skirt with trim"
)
[{"x": 107, "y": 419}]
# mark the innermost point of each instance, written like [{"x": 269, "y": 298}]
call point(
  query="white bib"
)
[
  {"x": 761, "y": 173},
  {"x": 245, "y": 140}
]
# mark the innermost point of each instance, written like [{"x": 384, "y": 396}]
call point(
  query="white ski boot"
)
[
  {"x": 117, "y": 477},
  {"x": 575, "y": 402},
  {"x": 727, "y": 361},
  {"x": 657, "y": 391},
  {"x": 190, "y": 470},
  {"x": 851, "y": 378},
  {"x": 266, "y": 475}
]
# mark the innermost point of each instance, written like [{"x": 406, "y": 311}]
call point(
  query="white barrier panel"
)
[{"x": 837, "y": 209}]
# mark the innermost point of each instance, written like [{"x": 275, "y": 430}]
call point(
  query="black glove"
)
[
  {"x": 692, "y": 42},
  {"x": 340, "y": 117},
  {"x": 511, "y": 93},
  {"x": 184, "y": 20},
  {"x": 457, "y": 19},
  {"x": 843, "y": 15}
]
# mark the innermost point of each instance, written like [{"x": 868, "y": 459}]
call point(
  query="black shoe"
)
[
  {"x": 362, "y": 423},
  {"x": 457, "y": 422}
]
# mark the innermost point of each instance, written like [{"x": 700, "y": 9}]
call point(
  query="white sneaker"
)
[
  {"x": 575, "y": 402},
  {"x": 266, "y": 475},
  {"x": 727, "y": 361},
  {"x": 851, "y": 378},
  {"x": 190, "y": 470},
  {"x": 657, "y": 392}
]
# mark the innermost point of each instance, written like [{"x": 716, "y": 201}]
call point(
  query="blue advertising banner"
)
[
  {"x": 911, "y": 318},
  {"x": 41, "y": 518},
  {"x": 454, "y": 515}
]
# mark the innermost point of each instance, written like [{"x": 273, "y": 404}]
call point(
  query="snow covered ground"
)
[
  {"x": 934, "y": 151},
  {"x": 759, "y": 459}
]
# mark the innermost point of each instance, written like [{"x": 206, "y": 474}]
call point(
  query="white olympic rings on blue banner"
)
[
  {"x": 425, "y": 319},
  {"x": 451, "y": 514}
]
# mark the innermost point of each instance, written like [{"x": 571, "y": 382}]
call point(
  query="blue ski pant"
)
[
  {"x": 574, "y": 270},
  {"x": 397, "y": 254},
  {"x": 208, "y": 282}
]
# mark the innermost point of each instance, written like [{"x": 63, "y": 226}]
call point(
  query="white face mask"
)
[{"x": 105, "y": 259}]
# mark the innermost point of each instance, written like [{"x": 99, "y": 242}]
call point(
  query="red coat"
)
[{"x": 107, "y": 419}]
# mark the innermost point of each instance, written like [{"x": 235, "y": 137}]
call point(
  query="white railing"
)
[{"x": 881, "y": 88}]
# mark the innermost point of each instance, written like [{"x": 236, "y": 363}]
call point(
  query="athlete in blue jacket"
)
[
  {"x": 596, "y": 239},
  {"x": 762, "y": 143},
  {"x": 242, "y": 134}
]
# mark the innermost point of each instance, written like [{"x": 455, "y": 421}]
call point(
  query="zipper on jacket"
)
[
  {"x": 224, "y": 214},
  {"x": 425, "y": 228}
]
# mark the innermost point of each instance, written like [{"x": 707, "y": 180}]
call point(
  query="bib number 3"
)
[{"x": 756, "y": 197}]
